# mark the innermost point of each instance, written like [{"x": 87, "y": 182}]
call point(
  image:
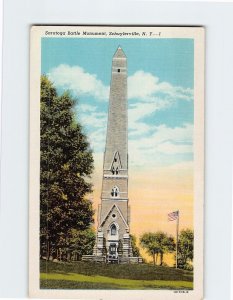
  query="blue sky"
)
[{"x": 160, "y": 91}]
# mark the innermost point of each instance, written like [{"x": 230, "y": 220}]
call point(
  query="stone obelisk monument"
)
[{"x": 113, "y": 239}]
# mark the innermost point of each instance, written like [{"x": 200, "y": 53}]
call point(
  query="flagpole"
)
[{"x": 177, "y": 236}]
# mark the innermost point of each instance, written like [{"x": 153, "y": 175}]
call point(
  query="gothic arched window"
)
[
  {"x": 116, "y": 164},
  {"x": 115, "y": 191},
  {"x": 113, "y": 229}
]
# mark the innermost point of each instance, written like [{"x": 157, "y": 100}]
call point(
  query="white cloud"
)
[
  {"x": 97, "y": 140},
  {"x": 163, "y": 141},
  {"x": 141, "y": 85},
  {"x": 177, "y": 134},
  {"x": 138, "y": 111},
  {"x": 145, "y": 86},
  {"x": 152, "y": 95},
  {"x": 74, "y": 78},
  {"x": 94, "y": 119},
  {"x": 86, "y": 108},
  {"x": 95, "y": 124},
  {"x": 144, "y": 150},
  {"x": 171, "y": 148}
]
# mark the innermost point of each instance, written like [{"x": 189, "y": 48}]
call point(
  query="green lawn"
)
[{"x": 84, "y": 275}]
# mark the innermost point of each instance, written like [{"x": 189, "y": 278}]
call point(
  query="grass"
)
[{"x": 84, "y": 275}]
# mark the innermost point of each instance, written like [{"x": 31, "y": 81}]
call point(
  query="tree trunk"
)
[
  {"x": 68, "y": 256},
  {"x": 48, "y": 250},
  {"x": 154, "y": 258},
  {"x": 161, "y": 257}
]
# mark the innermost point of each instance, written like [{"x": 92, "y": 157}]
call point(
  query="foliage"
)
[
  {"x": 157, "y": 243},
  {"x": 149, "y": 242},
  {"x": 112, "y": 276},
  {"x": 135, "y": 249},
  {"x": 66, "y": 162},
  {"x": 82, "y": 242},
  {"x": 127, "y": 271},
  {"x": 185, "y": 249},
  {"x": 77, "y": 281}
]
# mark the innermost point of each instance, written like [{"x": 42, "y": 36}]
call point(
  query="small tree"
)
[
  {"x": 167, "y": 246},
  {"x": 185, "y": 249},
  {"x": 149, "y": 242},
  {"x": 157, "y": 243},
  {"x": 135, "y": 249}
]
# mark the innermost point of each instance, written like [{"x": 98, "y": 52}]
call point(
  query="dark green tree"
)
[
  {"x": 185, "y": 249},
  {"x": 135, "y": 249},
  {"x": 149, "y": 242},
  {"x": 66, "y": 164},
  {"x": 167, "y": 245},
  {"x": 81, "y": 242}
]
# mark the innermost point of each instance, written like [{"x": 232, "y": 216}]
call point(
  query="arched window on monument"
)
[
  {"x": 113, "y": 229},
  {"x": 116, "y": 164},
  {"x": 115, "y": 192}
]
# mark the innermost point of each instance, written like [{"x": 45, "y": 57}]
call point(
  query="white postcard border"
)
[{"x": 37, "y": 32}]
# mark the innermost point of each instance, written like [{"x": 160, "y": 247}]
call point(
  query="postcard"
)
[{"x": 116, "y": 162}]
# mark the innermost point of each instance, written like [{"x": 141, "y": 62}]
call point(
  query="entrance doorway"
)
[
  {"x": 112, "y": 254},
  {"x": 113, "y": 250}
]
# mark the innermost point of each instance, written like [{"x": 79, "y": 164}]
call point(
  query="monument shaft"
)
[{"x": 113, "y": 221}]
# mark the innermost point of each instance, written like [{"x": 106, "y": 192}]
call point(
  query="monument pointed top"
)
[{"x": 119, "y": 53}]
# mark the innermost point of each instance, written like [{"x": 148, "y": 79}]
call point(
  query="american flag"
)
[{"x": 173, "y": 216}]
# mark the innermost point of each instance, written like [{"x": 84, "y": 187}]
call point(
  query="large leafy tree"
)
[
  {"x": 157, "y": 243},
  {"x": 66, "y": 162},
  {"x": 185, "y": 248}
]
